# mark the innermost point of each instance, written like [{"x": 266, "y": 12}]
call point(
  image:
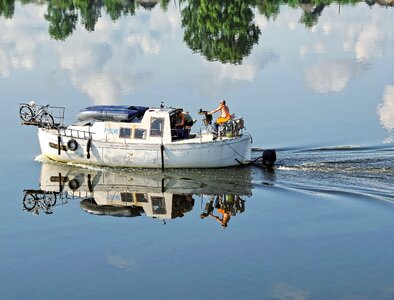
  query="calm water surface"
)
[{"x": 314, "y": 81}]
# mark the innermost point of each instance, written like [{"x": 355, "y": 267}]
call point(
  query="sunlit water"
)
[{"x": 315, "y": 82}]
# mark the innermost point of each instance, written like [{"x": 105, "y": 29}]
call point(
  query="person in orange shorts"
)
[{"x": 224, "y": 114}]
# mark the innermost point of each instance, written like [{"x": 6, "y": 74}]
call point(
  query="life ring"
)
[
  {"x": 74, "y": 184},
  {"x": 72, "y": 145}
]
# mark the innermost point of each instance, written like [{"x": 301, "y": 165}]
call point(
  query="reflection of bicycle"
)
[
  {"x": 36, "y": 114},
  {"x": 36, "y": 200}
]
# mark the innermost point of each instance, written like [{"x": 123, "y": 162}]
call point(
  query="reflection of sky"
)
[
  {"x": 290, "y": 72},
  {"x": 386, "y": 112},
  {"x": 284, "y": 291},
  {"x": 18, "y": 48}
]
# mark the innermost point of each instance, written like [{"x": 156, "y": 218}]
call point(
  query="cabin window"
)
[
  {"x": 139, "y": 133},
  {"x": 156, "y": 126},
  {"x": 159, "y": 206},
  {"x": 126, "y": 197},
  {"x": 139, "y": 197},
  {"x": 125, "y": 133}
]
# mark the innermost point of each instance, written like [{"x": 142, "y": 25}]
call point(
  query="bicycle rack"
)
[{"x": 57, "y": 113}]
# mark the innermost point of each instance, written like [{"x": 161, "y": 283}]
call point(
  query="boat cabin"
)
[{"x": 153, "y": 125}]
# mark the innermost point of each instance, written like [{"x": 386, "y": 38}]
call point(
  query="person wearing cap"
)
[
  {"x": 224, "y": 116},
  {"x": 224, "y": 112}
]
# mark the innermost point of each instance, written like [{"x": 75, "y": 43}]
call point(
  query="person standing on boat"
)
[
  {"x": 224, "y": 114},
  {"x": 180, "y": 124},
  {"x": 188, "y": 120}
]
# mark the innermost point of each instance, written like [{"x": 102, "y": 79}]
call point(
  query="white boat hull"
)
[{"x": 191, "y": 153}]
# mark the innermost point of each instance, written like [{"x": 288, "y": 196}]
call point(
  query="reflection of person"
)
[
  {"x": 226, "y": 215},
  {"x": 226, "y": 205},
  {"x": 224, "y": 112}
]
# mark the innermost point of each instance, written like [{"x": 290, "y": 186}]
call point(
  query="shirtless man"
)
[{"x": 225, "y": 112}]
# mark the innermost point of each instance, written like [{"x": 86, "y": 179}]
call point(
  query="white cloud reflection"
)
[
  {"x": 120, "y": 262},
  {"x": 386, "y": 112},
  {"x": 119, "y": 57},
  {"x": 368, "y": 43},
  {"x": 363, "y": 40},
  {"x": 283, "y": 291},
  {"x": 103, "y": 64},
  {"x": 17, "y": 46},
  {"x": 329, "y": 76}
]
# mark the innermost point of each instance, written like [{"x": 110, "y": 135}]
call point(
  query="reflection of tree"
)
[
  {"x": 268, "y": 8},
  {"x": 312, "y": 8},
  {"x": 90, "y": 12},
  {"x": 63, "y": 14},
  {"x": 62, "y": 17},
  {"x": 311, "y": 14},
  {"x": 118, "y": 8},
  {"x": 164, "y": 4},
  {"x": 220, "y": 29},
  {"x": 7, "y": 8}
]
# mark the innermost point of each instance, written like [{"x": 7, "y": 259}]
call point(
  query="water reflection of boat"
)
[{"x": 130, "y": 193}]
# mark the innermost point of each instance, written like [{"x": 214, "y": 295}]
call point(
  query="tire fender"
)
[{"x": 72, "y": 145}]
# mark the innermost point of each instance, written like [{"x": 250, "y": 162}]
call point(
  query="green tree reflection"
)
[
  {"x": 90, "y": 12},
  {"x": 312, "y": 9},
  {"x": 220, "y": 29},
  {"x": 7, "y": 8},
  {"x": 62, "y": 17}
]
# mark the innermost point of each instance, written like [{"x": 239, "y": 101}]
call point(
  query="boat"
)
[
  {"x": 134, "y": 192},
  {"x": 142, "y": 137}
]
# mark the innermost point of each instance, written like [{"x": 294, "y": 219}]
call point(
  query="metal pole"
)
[
  {"x": 162, "y": 156},
  {"x": 58, "y": 144}
]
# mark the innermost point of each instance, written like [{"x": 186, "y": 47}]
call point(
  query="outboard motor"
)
[{"x": 269, "y": 157}]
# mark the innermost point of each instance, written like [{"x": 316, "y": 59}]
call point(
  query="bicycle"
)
[
  {"x": 36, "y": 200},
  {"x": 38, "y": 114}
]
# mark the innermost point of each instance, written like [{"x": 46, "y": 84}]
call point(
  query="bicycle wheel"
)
[
  {"x": 50, "y": 198},
  {"x": 47, "y": 121},
  {"x": 26, "y": 114},
  {"x": 29, "y": 201}
]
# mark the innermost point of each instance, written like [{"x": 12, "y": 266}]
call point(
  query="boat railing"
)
[
  {"x": 232, "y": 128},
  {"x": 75, "y": 133}
]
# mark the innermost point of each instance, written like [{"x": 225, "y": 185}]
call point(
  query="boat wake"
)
[{"x": 357, "y": 171}]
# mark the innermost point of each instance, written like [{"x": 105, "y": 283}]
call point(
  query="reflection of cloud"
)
[
  {"x": 95, "y": 69},
  {"x": 386, "y": 112},
  {"x": 248, "y": 70},
  {"x": 388, "y": 292},
  {"x": 283, "y": 291},
  {"x": 17, "y": 45},
  {"x": 367, "y": 45},
  {"x": 223, "y": 76},
  {"x": 103, "y": 64},
  {"x": 147, "y": 46},
  {"x": 329, "y": 76},
  {"x": 120, "y": 262},
  {"x": 362, "y": 41}
]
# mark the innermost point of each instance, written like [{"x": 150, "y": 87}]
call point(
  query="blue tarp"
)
[{"x": 112, "y": 112}]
